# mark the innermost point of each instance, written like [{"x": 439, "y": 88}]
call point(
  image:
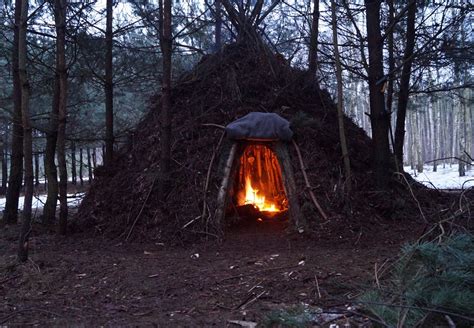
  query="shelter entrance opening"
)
[{"x": 259, "y": 180}]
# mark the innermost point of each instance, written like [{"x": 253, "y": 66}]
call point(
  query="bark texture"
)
[
  {"x": 4, "y": 158},
  {"x": 166, "y": 48},
  {"x": 27, "y": 137},
  {"x": 10, "y": 215},
  {"x": 89, "y": 165},
  {"x": 60, "y": 19},
  {"x": 51, "y": 172},
  {"x": 81, "y": 167},
  {"x": 109, "y": 87},
  {"x": 379, "y": 117},
  {"x": 313, "y": 42},
  {"x": 73, "y": 163},
  {"x": 340, "y": 103},
  {"x": 405, "y": 83},
  {"x": 218, "y": 26}
]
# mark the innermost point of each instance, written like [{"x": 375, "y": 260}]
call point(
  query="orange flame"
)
[
  {"x": 260, "y": 181},
  {"x": 252, "y": 197}
]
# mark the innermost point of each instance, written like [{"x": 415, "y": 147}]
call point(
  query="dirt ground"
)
[{"x": 257, "y": 270}]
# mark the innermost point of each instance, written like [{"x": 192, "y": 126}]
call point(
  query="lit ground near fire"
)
[{"x": 89, "y": 281}]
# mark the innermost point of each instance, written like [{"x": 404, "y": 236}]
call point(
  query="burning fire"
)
[
  {"x": 260, "y": 181},
  {"x": 251, "y": 197}
]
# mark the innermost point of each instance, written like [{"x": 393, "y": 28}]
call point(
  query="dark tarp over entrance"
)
[{"x": 260, "y": 126}]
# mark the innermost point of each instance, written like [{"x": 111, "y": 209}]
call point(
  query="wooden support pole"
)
[
  {"x": 289, "y": 184},
  {"x": 208, "y": 176},
  {"x": 308, "y": 185},
  {"x": 223, "y": 190}
]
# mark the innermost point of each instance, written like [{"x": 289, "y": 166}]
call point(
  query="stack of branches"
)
[{"x": 242, "y": 78}]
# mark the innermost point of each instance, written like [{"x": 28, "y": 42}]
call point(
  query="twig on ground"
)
[
  {"x": 242, "y": 306},
  {"x": 192, "y": 221},
  {"x": 317, "y": 286},
  {"x": 377, "y": 272},
  {"x": 376, "y": 275},
  {"x": 450, "y": 321},
  {"x": 258, "y": 272}
]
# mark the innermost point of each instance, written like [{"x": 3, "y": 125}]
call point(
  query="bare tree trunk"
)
[
  {"x": 436, "y": 132},
  {"x": 218, "y": 26},
  {"x": 405, "y": 82},
  {"x": 391, "y": 59},
  {"x": 60, "y": 20},
  {"x": 166, "y": 48},
  {"x": 73, "y": 163},
  {"x": 50, "y": 169},
  {"x": 418, "y": 143},
  {"x": 109, "y": 87},
  {"x": 81, "y": 167},
  {"x": 27, "y": 136},
  {"x": 37, "y": 168},
  {"x": 313, "y": 42},
  {"x": 94, "y": 158},
  {"x": 391, "y": 67},
  {"x": 89, "y": 164},
  {"x": 10, "y": 215},
  {"x": 467, "y": 126},
  {"x": 379, "y": 117},
  {"x": 340, "y": 99},
  {"x": 4, "y": 159}
]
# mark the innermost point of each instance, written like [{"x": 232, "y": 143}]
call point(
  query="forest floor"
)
[{"x": 256, "y": 271}]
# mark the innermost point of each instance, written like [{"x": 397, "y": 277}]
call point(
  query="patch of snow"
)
[
  {"x": 445, "y": 178},
  {"x": 38, "y": 201}
]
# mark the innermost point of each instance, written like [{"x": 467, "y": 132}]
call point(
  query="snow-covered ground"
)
[
  {"x": 38, "y": 201},
  {"x": 445, "y": 178}
]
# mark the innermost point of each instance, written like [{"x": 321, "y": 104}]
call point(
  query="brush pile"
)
[{"x": 243, "y": 78}]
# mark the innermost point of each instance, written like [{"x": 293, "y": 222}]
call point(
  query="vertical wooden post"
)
[
  {"x": 27, "y": 136},
  {"x": 4, "y": 159},
  {"x": 94, "y": 157},
  {"x": 223, "y": 190},
  {"x": 73, "y": 163},
  {"x": 10, "y": 214},
  {"x": 37, "y": 168},
  {"x": 89, "y": 165},
  {"x": 81, "y": 165},
  {"x": 108, "y": 150},
  {"x": 289, "y": 184}
]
